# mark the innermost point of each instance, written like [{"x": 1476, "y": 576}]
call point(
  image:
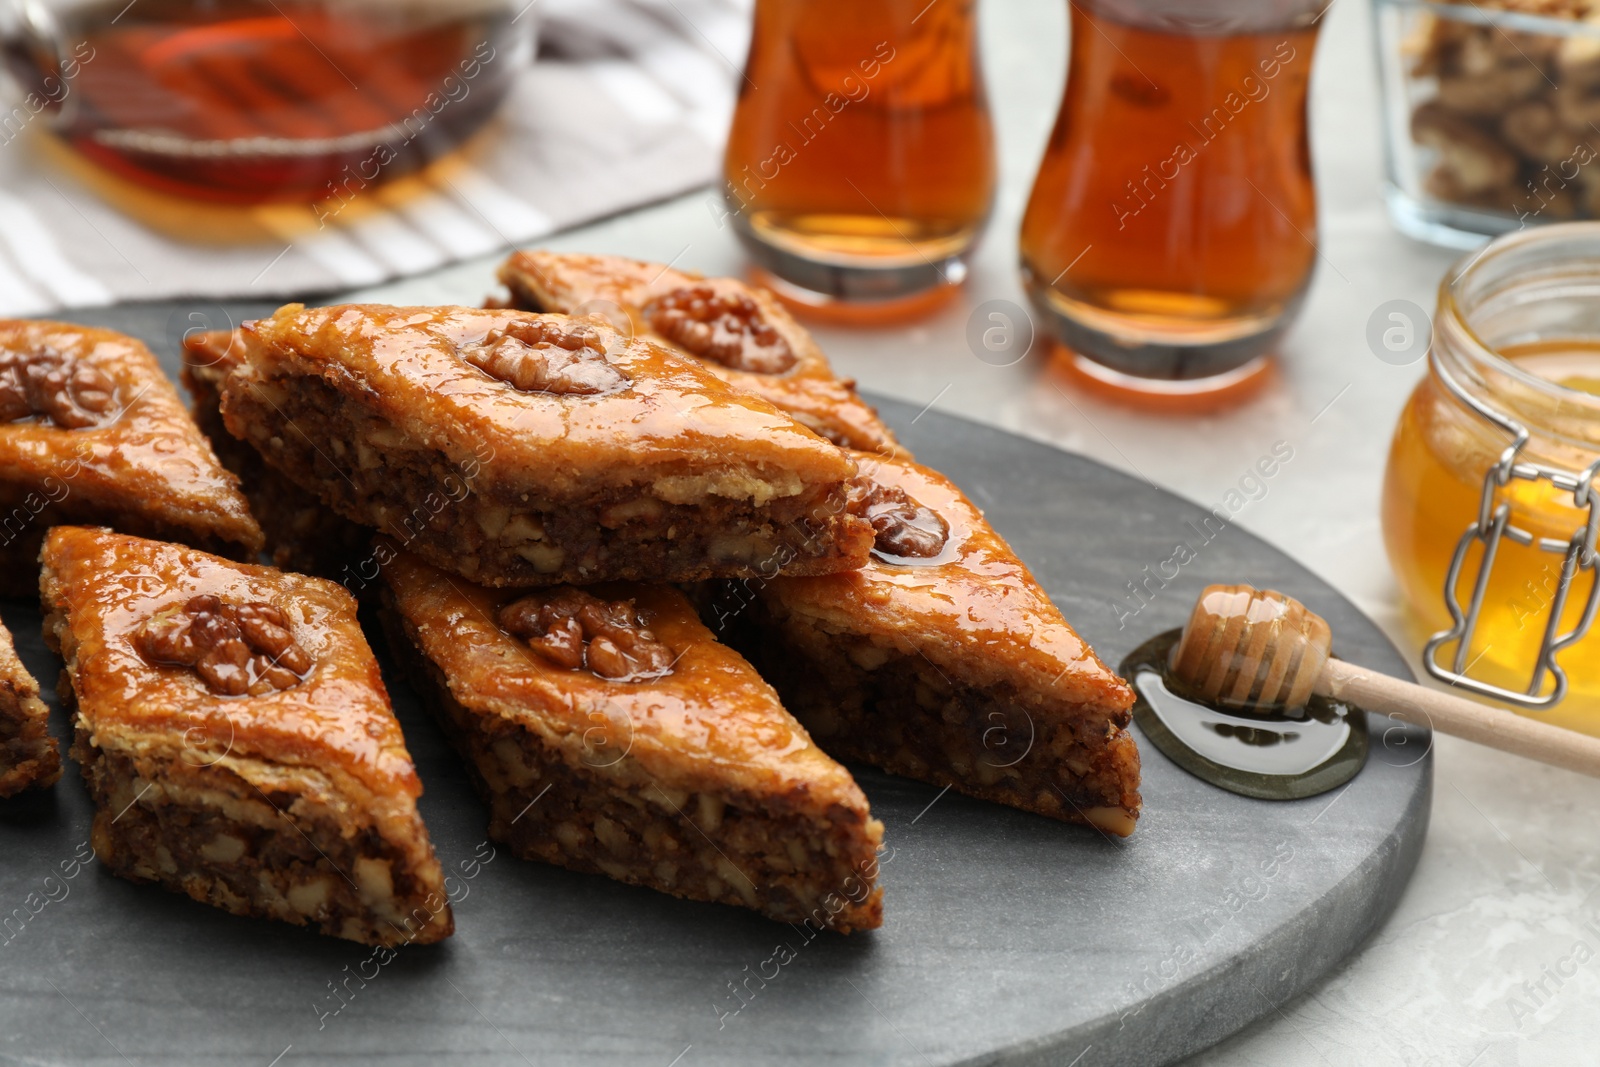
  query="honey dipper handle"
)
[{"x": 1459, "y": 717}]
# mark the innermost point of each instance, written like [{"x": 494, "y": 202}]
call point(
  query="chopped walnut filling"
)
[
  {"x": 237, "y": 649},
  {"x": 546, "y": 356},
  {"x": 905, "y": 528},
  {"x": 45, "y": 384},
  {"x": 578, "y": 630},
  {"x": 727, "y": 328}
]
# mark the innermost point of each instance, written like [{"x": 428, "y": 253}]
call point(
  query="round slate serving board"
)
[{"x": 1008, "y": 938}]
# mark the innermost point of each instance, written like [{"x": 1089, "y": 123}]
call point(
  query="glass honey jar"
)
[{"x": 1490, "y": 508}]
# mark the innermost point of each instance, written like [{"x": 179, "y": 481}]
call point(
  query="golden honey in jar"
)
[{"x": 1516, "y": 354}]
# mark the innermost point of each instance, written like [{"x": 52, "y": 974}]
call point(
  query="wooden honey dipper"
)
[{"x": 1259, "y": 650}]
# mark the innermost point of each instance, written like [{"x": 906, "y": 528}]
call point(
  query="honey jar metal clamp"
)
[{"x": 1492, "y": 525}]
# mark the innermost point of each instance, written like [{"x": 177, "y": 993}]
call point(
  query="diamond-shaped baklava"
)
[
  {"x": 302, "y": 534},
  {"x": 523, "y": 450},
  {"x": 29, "y": 756},
  {"x": 237, "y": 740},
  {"x": 92, "y": 431},
  {"x": 942, "y": 659},
  {"x": 609, "y": 732},
  {"x": 739, "y": 331}
]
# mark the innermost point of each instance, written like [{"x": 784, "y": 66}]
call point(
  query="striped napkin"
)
[{"x": 628, "y": 103}]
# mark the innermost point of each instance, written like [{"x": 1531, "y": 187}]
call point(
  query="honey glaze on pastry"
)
[
  {"x": 954, "y": 668},
  {"x": 235, "y": 734},
  {"x": 91, "y": 431},
  {"x": 674, "y": 768},
  {"x": 742, "y": 333},
  {"x": 535, "y": 450}
]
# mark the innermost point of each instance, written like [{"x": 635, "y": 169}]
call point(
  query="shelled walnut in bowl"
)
[{"x": 1504, "y": 100}]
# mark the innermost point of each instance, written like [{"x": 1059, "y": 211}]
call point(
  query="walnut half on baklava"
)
[
  {"x": 740, "y": 332},
  {"x": 525, "y": 450},
  {"x": 609, "y": 732},
  {"x": 943, "y": 660},
  {"x": 237, "y": 740}
]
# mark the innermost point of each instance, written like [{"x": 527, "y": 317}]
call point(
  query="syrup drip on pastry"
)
[
  {"x": 726, "y": 328},
  {"x": 547, "y": 356},
  {"x": 577, "y": 630},
  {"x": 905, "y": 529},
  {"x": 46, "y": 385},
  {"x": 236, "y": 649}
]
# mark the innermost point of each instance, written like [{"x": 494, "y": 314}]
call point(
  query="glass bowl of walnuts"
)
[{"x": 1491, "y": 114}]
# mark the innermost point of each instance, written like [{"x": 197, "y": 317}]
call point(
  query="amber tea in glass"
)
[
  {"x": 1171, "y": 232},
  {"x": 265, "y": 100},
  {"x": 860, "y": 165}
]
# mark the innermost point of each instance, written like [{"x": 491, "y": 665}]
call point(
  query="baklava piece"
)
[
  {"x": 943, "y": 660},
  {"x": 740, "y": 332},
  {"x": 527, "y": 450},
  {"x": 208, "y": 357},
  {"x": 302, "y": 534},
  {"x": 609, "y": 732},
  {"x": 237, "y": 740},
  {"x": 29, "y": 756},
  {"x": 91, "y": 431}
]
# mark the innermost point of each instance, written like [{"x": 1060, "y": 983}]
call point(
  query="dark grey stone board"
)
[{"x": 1008, "y": 939}]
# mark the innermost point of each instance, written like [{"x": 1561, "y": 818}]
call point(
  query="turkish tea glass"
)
[
  {"x": 250, "y": 101},
  {"x": 1171, "y": 233},
  {"x": 860, "y": 165}
]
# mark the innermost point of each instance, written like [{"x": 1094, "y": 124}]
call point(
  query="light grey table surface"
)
[{"x": 1507, "y": 881}]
